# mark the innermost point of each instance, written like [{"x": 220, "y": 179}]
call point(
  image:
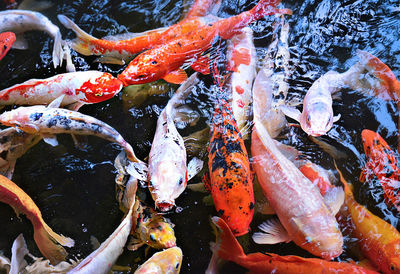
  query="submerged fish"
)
[
  {"x": 242, "y": 58},
  {"x": 49, "y": 243},
  {"x": 202, "y": 7},
  {"x": 383, "y": 164},
  {"x": 379, "y": 241},
  {"x": 304, "y": 216},
  {"x": 165, "y": 61},
  {"x": 7, "y": 39},
  {"x": 14, "y": 144},
  {"x": 48, "y": 121},
  {"x": 168, "y": 172},
  {"x": 168, "y": 261},
  {"x": 20, "y": 21},
  {"x": 228, "y": 248},
  {"x": 78, "y": 88}
]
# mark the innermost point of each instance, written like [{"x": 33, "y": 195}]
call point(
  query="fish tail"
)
[
  {"x": 226, "y": 246},
  {"x": 347, "y": 188},
  {"x": 50, "y": 243},
  {"x": 268, "y": 7},
  {"x": 83, "y": 40},
  {"x": 58, "y": 53}
]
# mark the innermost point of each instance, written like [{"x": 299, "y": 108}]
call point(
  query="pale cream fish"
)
[
  {"x": 271, "y": 84},
  {"x": 51, "y": 120},
  {"x": 19, "y": 21},
  {"x": 168, "y": 261},
  {"x": 317, "y": 117},
  {"x": 168, "y": 171},
  {"x": 304, "y": 216},
  {"x": 241, "y": 54}
]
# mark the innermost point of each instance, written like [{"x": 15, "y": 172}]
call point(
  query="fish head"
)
[
  {"x": 7, "y": 39},
  {"x": 145, "y": 68},
  {"x": 317, "y": 118},
  {"x": 160, "y": 233},
  {"x": 373, "y": 142},
  {"x": 16, "y": 117},
  {"x": 167, "y": 261},
  {"x": 100, "y": 88},
  {"x": 394, "y": 265}
]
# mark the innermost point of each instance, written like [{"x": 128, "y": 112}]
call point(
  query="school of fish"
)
[{"x": 250, "y": 172}]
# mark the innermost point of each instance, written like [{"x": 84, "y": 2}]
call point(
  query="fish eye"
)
[
  {"x": 392, "y": 268},
  {"x": 141, "y": 76},
  {"x": 152, "y": 237},
  {"x": 176, "y": 265},
  {"x": 154, "y": 62}
]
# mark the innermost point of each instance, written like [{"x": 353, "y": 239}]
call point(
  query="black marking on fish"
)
[
  {"x": 221, "y": 212},
  {"x": 35, "y": 116},
  {"x": 251, "y": 205}
]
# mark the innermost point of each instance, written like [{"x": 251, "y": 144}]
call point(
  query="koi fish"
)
[
  {"x": 241, "y": 55},
  {"x": 382, "y": 164},
  {"x": 168, "y": 173},
  {"x": 271, "y": 84},
  {"x": 304, "y": 217},
  {"x": 20, "y": 21},
  {"x": 78, "y": 88},
  {"x": 49, "y": 243},
  {"x": 165, "y": 61},
  {"x": 202, "y": 7},
  {"x": 379, "y": 241},
  {"x": 167, "y": 261},
  {"x": 228, "y": 248},
  {"x": 7, "y": 39},
  {"x": 14, "y": 144},
  {"x": 47, "y": 121}
]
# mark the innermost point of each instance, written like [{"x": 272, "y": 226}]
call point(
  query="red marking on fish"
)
[
  {"x": 7, "y": 39},
  {"x": 239, "y": 89}
]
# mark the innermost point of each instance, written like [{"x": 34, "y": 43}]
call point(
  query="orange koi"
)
[
  {"x": 382, "y": 164},
  {"x": 6, "y": 41},
  {"x": 49, "y": 243},
  {"x": 228, "y": 248},
  {"x": 230, "y": 181},
  {"x": 379, "y": 241},
  {"x": 165, "y": 61}
]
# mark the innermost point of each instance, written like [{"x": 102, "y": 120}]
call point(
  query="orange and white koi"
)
[
  {"x": 304, "y": 217},
  {"x": 228, "y": 248},
  {"x": 78, "y": 88},
  {"x": 241, "y": 55},
  {"x": 7, "y": 39},
  {"x": 49, "y": 243},
  {"x": 165, "y": 61},
  {"x": 14, "y": 144},
  {"x": 383, "y": 164},
  {"x": 20, "y": 21},
  {"x": 167, "y": 261},
  {"x": 271, "y": 84},
  {"x": 168, "y": 172},
  {"x": 379, "y": 241},
  {"x": 47, "y": 121}
]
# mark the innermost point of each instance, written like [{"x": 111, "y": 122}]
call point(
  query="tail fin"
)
[
  {"x": 226, "y": 247},
  {"x": 50, "y": 243},
  {"x": 81, "y": 44},
  {"x": 268, "y": 7},
  {"x": 58, "y": 52},
  {"x": 347, "y": 188}
]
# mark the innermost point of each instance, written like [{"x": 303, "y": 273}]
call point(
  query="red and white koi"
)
[
  {"x": 20, "y": 21},
  {"x": 304, "y": 217},
  {"x": 241, "y": 56},
  {"x": 47, "y": 121},
  {"x": 7, "y": 39},
  {"x": 165, "y": 61},
  {"x": 14, "y": 144},
  {"x": 78, "y": 88},
  {"x": 168, "y": 172}
]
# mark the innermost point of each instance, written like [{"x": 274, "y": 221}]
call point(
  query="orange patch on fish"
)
[
  {"x": 7, "y": 39},
  {"x": 239, "y": 89}
]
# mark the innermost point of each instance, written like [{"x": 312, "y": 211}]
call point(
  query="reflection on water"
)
[{"x": 74, "y": 187}]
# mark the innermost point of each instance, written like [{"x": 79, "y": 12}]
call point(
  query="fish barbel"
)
[
  {"x": 165, "y": 61},
  {"x": 78, "y": 88},
  {"x": 47, "y": 121},
  {"x": 20, "y": 21}
]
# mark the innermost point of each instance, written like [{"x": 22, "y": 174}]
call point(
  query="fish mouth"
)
[
  {"x": 170, "y": 244},
  {"x": 165, "y": 205}
]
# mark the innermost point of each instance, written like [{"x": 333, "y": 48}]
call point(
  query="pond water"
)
[{"x": 74, "y": 188}]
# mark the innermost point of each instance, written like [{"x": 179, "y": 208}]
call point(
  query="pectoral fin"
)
[
  {"x": 176, "y": 77},
  {"x": 199, "y": 187},
  {"x": 195, "y": 166},
  {"x": 56, "y": 102},
  {"x": 291, "y": 112},
  {"x": 20, "y": 43},
  {"x": 273, "y": 233},
  {"x": 334, "y": 199},
  {"x": 336, "y": 118},
  {"x": 50, "y": 139}
]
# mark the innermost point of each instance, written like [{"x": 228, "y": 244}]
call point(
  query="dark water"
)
[{"x": 74, "y": 188}]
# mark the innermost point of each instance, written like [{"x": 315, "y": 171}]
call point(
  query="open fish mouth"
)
[{"x": 165, "y": 205}]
